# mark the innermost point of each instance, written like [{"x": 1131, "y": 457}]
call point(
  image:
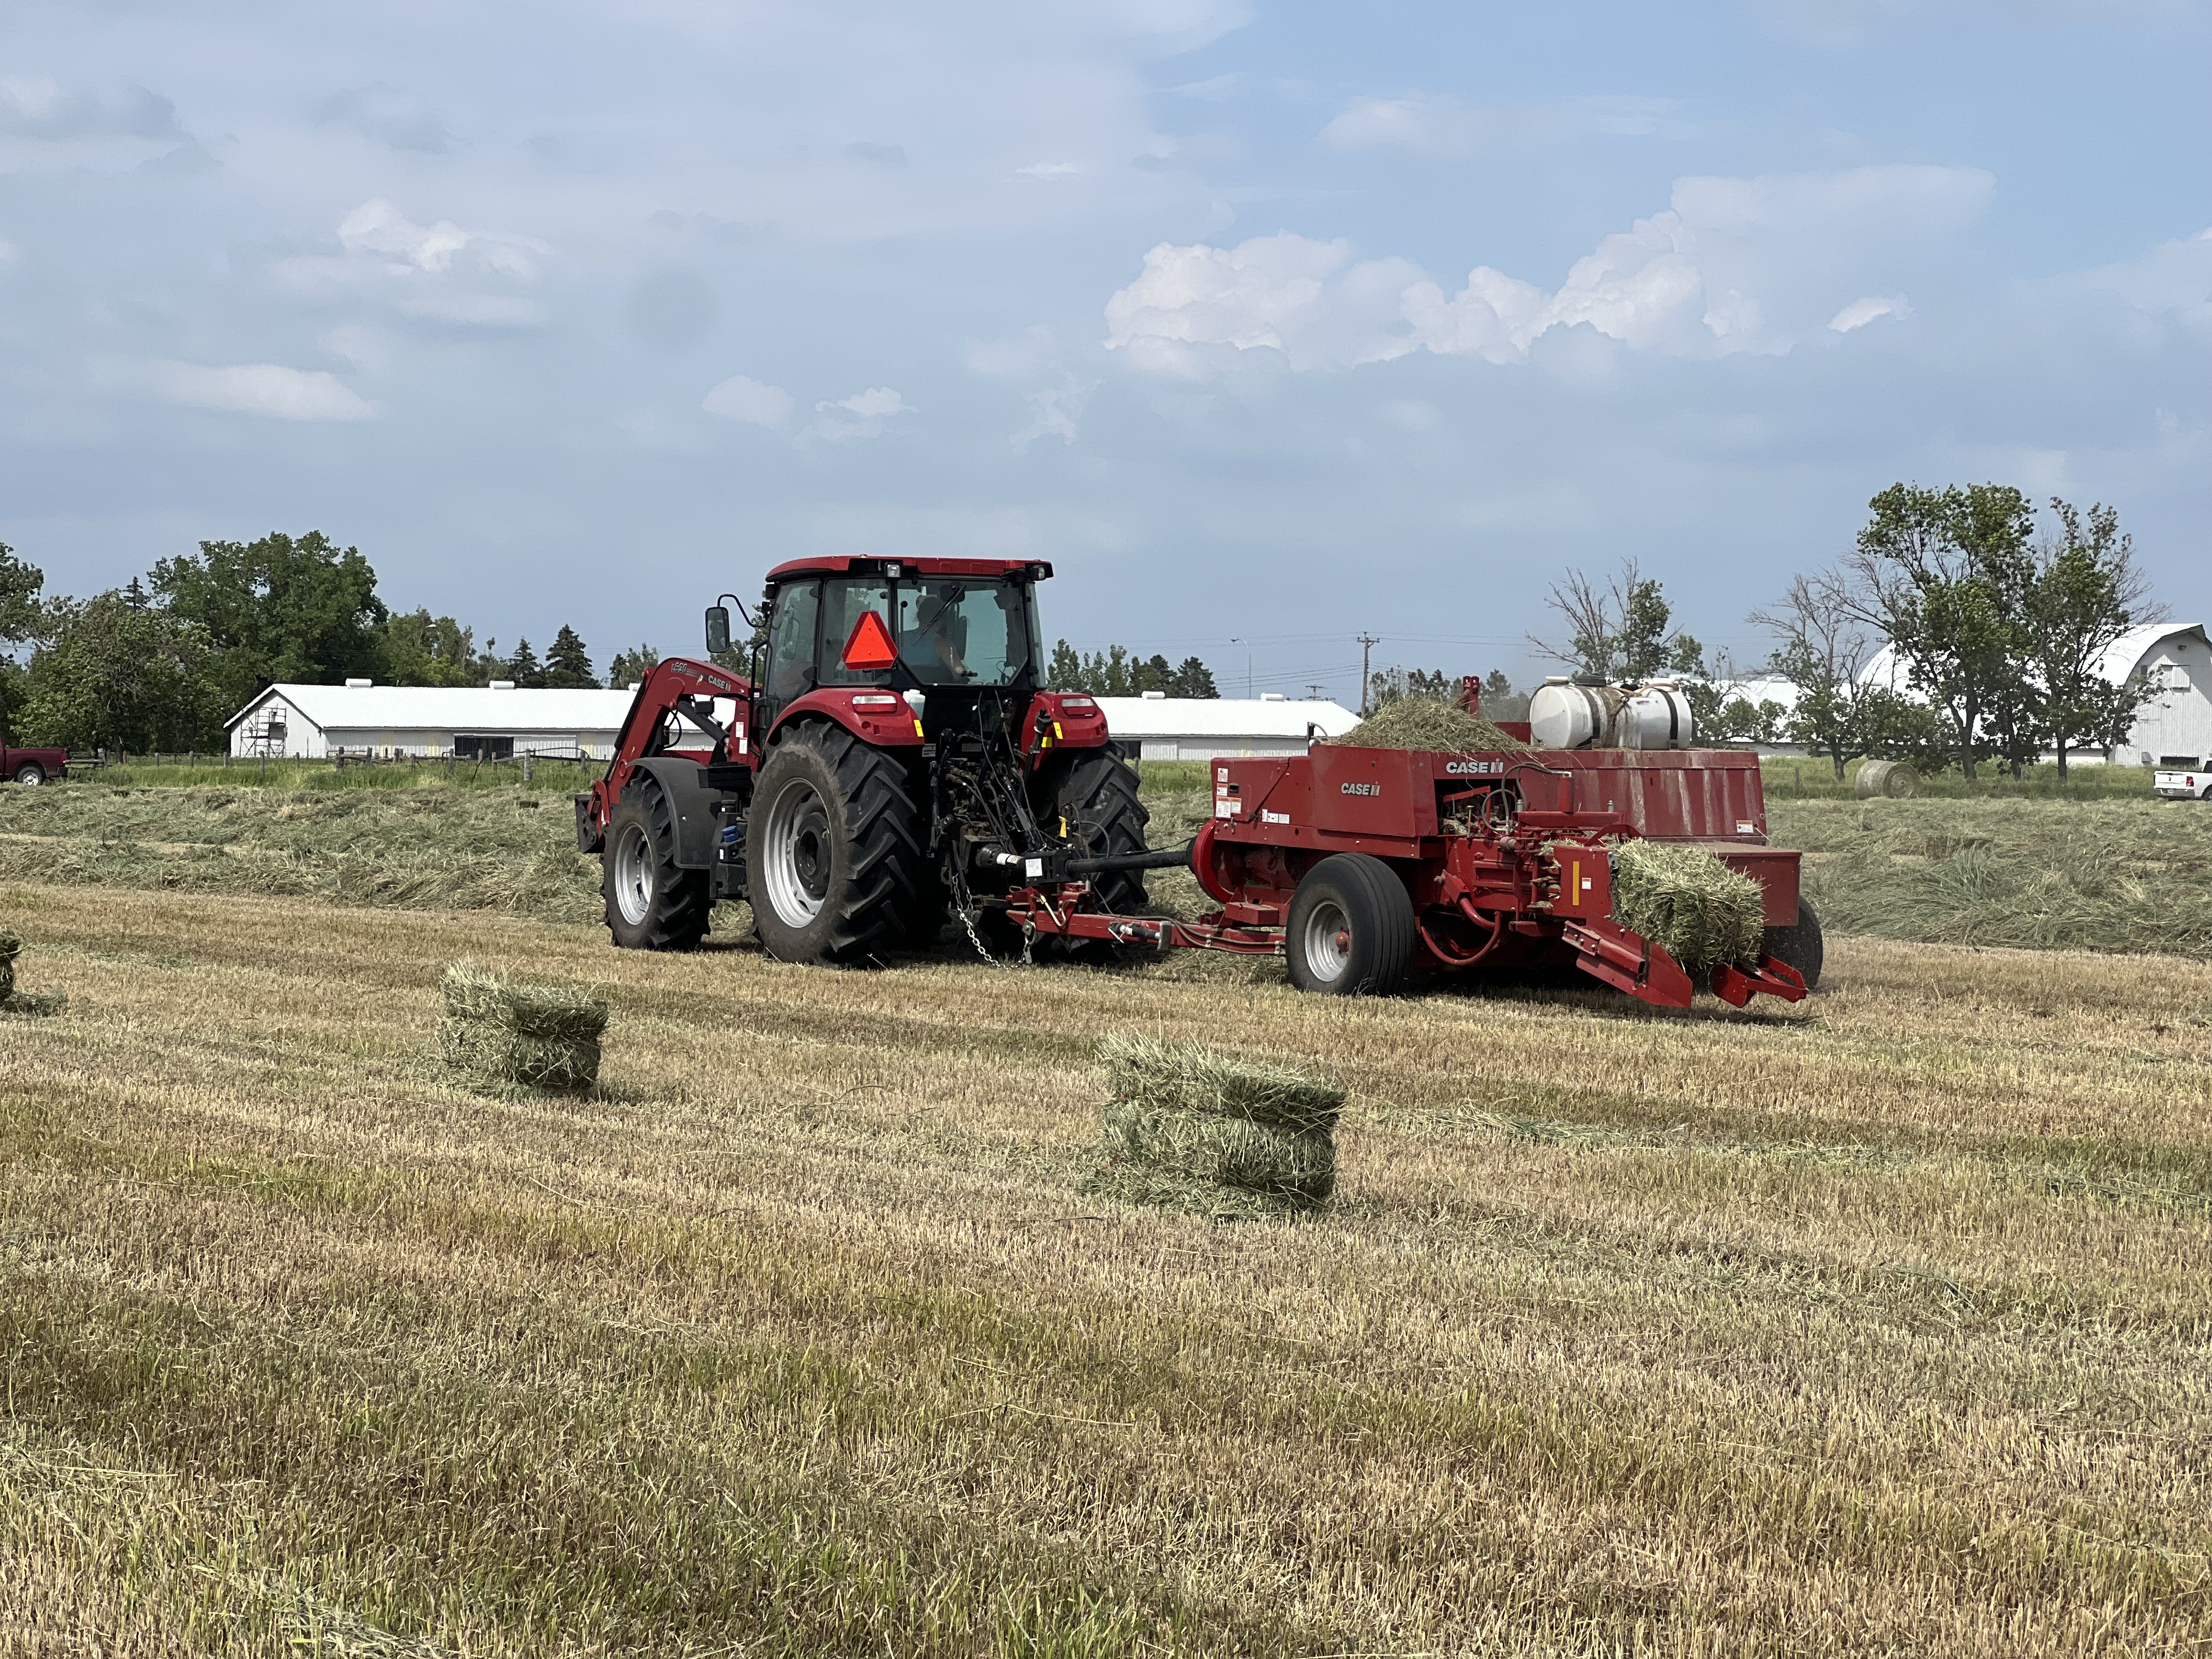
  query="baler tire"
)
[
  {"x": 1097, "y": 796},
  {"x": 863, "y": 848},
  {"x": 652, "y": 903},
  {"x": 1799, "y": 947},
  {"x": 1359, "y": 902}
]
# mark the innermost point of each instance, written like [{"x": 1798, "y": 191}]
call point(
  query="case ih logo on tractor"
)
[{"x": 889, "y": 761}]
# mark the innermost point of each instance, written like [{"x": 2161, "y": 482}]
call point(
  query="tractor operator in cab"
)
[{"x": 933, "y": 643}]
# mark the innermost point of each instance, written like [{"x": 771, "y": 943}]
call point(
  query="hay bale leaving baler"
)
[
  {"x": 1688, "y": 903},
  {"x": 500, "y": 1030},
  {"x": 1188, "y": 1127},
  {"x": 1428, "y": 726}
]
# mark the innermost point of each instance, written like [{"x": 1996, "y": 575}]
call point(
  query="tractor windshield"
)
[{"x": 955, "y": 630}]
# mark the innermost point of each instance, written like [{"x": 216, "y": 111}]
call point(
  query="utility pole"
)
[
  {"x": 1315, "y": 691},
  {"x": 1235, "y": 640},
  {"x": 1367, "y": 643}
]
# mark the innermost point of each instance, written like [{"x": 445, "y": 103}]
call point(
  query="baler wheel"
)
[
  {"x": 1351, "y": 930},
  {"x": 833, "y": 855},
  {"x": 1799, "y": 947},
  {"x": 651, "y": 903}
]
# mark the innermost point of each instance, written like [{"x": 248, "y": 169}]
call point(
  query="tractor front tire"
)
[
  {"x": 833, "y": 851},
  {"x": 1799, "y": 947},
  {"x": 1351, "y": 930},
  {"x": 651, "y": 903},
  {"x": 1097, "y": 796}
]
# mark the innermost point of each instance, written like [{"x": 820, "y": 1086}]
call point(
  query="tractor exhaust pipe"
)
[{"x": 1172, "y": 858}]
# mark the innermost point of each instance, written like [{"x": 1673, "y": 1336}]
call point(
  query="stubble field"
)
[{"x": 1878, "y": 1325}]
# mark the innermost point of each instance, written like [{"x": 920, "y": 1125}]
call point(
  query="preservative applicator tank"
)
[{"x": 1568, "y": 713}]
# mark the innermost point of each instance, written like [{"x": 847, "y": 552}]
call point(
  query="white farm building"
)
[
  {"x": 496, "y": 722},
  {"x": 1156, "y": 727},
  {"x": 499, "y": 722},
  {"x": 2174, "y": 729}
]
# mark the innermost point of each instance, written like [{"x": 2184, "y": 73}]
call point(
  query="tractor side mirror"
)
[{"x": 718, "y": 629}]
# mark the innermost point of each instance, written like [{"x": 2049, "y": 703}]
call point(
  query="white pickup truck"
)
[{"x": 2182, "y": 786}]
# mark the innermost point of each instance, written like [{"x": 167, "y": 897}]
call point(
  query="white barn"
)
[
  {"x": 1157, "y": 726},
  {"x": 497, "y": 722},
  {"x": 2173, "y": 730}
]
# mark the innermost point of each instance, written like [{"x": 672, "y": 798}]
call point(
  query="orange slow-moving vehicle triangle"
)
[{"x": 870, "y": 645}]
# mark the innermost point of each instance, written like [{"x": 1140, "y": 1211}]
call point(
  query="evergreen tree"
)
[
  {"x": 1193, "y": 679},
  {"x": 568, "y": 666},
  {"x": 523, "y": 667}
]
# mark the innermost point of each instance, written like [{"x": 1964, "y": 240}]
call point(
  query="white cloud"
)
[
  {"x": 269, "y": 389},
  {"x": 39, "y": 108},
  {"x": 1732, "y": 265},
  {"x": 851, "y": 419},
  {"x": 1055, "y": 411},
  {"x": 1859, "y": 312},
  {"x": 377, "y": 227},
  {"x": 1048, "y": 170},
  {"x": 741, "y": 397}
]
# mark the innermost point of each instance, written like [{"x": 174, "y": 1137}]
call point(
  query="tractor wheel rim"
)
[
  {"x": 1329, "y": 940},
  {"x": 633, "y": 875},
  {"x": 796, "y": 866}
]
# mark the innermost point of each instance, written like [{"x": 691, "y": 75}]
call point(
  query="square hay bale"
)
[
  {"x": 22, "y": 1002},
  {"x": 1192, "y": 1129},
  {"x": 1142, "y": 1071},
  {"x": 1688, "y": 903},
  {"x": 505, "y": 1031},
  {"x": 1428, "y": 726}
]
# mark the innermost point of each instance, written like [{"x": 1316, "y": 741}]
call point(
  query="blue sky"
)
[{"x": 1267, "y": 322}]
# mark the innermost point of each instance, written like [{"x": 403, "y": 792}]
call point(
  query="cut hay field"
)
[{"x": 1878, "y": 1325}]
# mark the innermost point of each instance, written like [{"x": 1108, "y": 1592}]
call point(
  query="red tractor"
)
[{"x": 889, "y": 762}]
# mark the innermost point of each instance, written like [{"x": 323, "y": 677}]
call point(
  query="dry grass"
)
[{"x": 1876, "y": 1325}]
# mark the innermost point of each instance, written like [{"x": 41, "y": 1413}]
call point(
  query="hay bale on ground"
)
[
  {"x": 504, "y": 1031},
  {"x": 1688, "y": 903},
  {"x": 1189, "y": 1128},
  {"x": 22, "y": 1002},
  {"x": 1142, "y": 1071},
  {"x": 1428, "y": 726},
  {"x": 1881, "y": 780}
]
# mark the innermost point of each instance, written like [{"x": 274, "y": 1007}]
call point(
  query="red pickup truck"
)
[{"x": 33, "y": 765}]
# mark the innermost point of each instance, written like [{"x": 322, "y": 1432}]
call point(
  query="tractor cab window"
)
[
  {"x": 845, "y": 601},
  {"x": 790, "y": 672},
  {"x": 964, "y": 631}
]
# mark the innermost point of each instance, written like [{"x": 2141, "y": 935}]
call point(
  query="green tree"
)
[
  {"x": 1388, "y": 685},
  {"x": 1944, "y": 573},
  {"x": 1064, "y": 671},
  {"x": 523, "y": 667},
  {"x": 1620, "y": 631},
  {"x": 1193, "y": 678},
  {"x": 568, "y": 666},
  {"x": 278, "y": 608},
  {"x": 24, "y": 619},
  {"x": 1500, "y": 701},
  {"x": 120, "y": 673},
  {"x": 419, "y": 649},
  {"x": 2087, "y": 592},
  {"x": 631, "y": 666}
]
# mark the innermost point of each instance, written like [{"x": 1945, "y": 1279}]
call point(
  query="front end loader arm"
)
[{"x": 677, "y": 685}]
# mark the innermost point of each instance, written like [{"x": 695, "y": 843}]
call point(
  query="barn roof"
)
[{"x": 469, "y": 708}]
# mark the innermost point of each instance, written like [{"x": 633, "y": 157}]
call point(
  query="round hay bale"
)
[
  {"x": 1687, "y": 902},
  {"x": 1428, "y": 726},
  {"x": 1886, "y": 780},
  {"x": 1187, "y": 1077},
  {"x": 1296, "y": 1166}
]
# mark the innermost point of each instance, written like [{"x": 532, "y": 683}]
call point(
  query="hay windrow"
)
[
  {"x": 1147, "y": 1072},
  {"x": 505, "y": 1031},
  {"x": 1429, "y": 726},
  {"x": 1688, "y": 903}
]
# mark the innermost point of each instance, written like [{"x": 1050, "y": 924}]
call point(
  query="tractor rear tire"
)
[
  {"x": 1351, "y": 930},
  {"x": 1097, "y": 796},
  {"x": 1799, "y": 947},
  {"x": 651, "y": 904},
  {"x": 833, "y": 850}
]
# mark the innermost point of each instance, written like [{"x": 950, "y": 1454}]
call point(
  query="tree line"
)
[
  {"x": 1117, "y": 671},
  {"x": 1996, "y": 627},
  {"x": 160, "y": 663}
]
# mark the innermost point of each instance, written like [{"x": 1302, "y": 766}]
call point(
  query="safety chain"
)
[{"x": 964, "y": 902}]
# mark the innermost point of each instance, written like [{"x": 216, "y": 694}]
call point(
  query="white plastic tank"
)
[{"x": 1566, "y": 713}]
